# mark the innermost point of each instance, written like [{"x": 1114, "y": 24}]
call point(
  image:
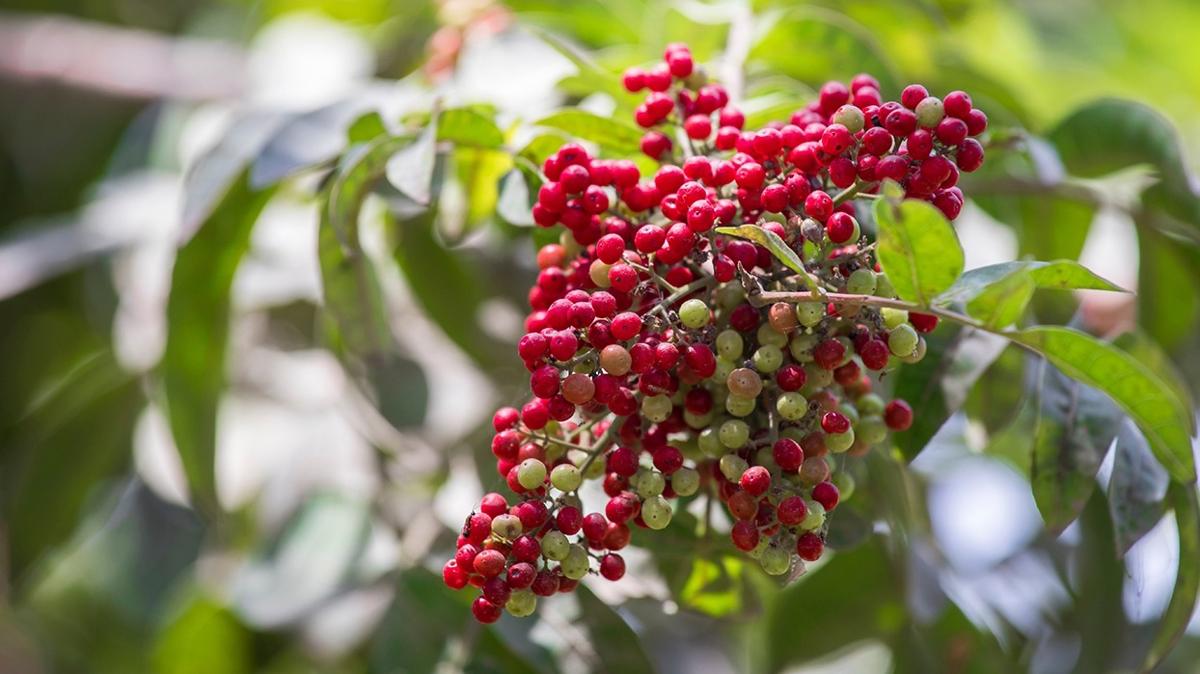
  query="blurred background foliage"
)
[{"x": 159, "y": 229}]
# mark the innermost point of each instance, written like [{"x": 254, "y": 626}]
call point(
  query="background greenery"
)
[{"x": 160, "y": 228}]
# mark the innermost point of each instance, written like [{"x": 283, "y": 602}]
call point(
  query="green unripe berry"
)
[
  {"x": 792, "y": 432},
  {"x": 869, "y": 404},
  {"x": 848, "y": 354},
  {"x": 598, "y": 271},
  {"x": 768, "y": 335},
  {"x": 918, "y": 353},
  {"x": 845, "y": 483},
  {"x": 729, "y": 296},
  {"x": 792, "y": 406},
  {"x": 697, "y": 421},
  {"x": 902, "y": 340},
  {"x": 656, "y": 408},
  {"x": 724, "y": 367},
  {"x": 656, "y": 512},
  {"x": 566, "y": 477},
  {"x": 883, "y": 286},
  {"x": 576, "y": 564},
  {"x": 851, "y": 117},
  {"x": 506, "y": 526},
  {"x": 768, "y": 358},
  {"x": 816, "y": 379},
  {"x": 850, "y": 412},
  {"x": 759, "y": 549},
  {"x": 775, "y": 561},
  {"x": 765, "y": 457},
  {"x": 815, "y": 517},
  {"x": 651, "y": 483},
  {"x": 685, "y": 481},
  {"x": 730, "y": 345},
  {"x": 871, "y": 430},
  {"x": 893, "y": 317},
  {"x": 732, "y": 466},
  {"x": 861, "y": 282},
  {"x": 801, "y": 348},
  {"x": 930, "y": 111},
  {"x": 810, "y": 313},
  {"x": 594, "y": 471},
  {"x": 521, "y": 603},
  {"x": 734, "y": 433},
  {"x": 710, "y": 443},
  {"x": 555, "y": 546},
  {"x": 740, "y": 406},
  {"x": 840, "y": 442},
  {"x": 694, "y": 314},
  {"x": 531, "y": 473}
]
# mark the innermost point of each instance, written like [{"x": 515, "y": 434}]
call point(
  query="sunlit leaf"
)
[
  {"x": 1152, "y": 405},
  {"x": 836, "y": 46},
  {"x": 469, "y": 126},
  {"x": 918, "y": 249},
  {"x": 205, "y": 638},
  {"x": 1003, "y": 302},
  {"x": 771, "y": 241},
  {"x": 1156, "y": 360},
  {"x": 611, "y": 135},
  {"x": 193, "y": 365},
  {"x": 1054, "y": 275}
]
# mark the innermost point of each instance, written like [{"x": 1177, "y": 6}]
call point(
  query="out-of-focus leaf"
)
[
  {"x": 306, "y": 566},
  {"x": 1074, "y": 427},
  {"x": 413, "y": 634},
  {"x": 581, "y": 16},
  {"x": 540, "y": 147},
  {"x": 1167, "y": 268},
  {"x": 997, "y": 395},
  {"x": 611, "y": 135},
  {"x": 771, "y": 241},
  {"x": 617, "y": 645},
  {"x": 1002, "y": 303},
  {"x": 774, "y": 107},
  {"x": 1187, "y": 576},
  {"x": 193, "y": 365},
  {"x": 1098, "y": 580},
  {"x": 470, "y": 127},
  {"x": 1137, "y": 490},
  {"x": 1111, "y": 134},
  {"x": 938, "y": 385},
  {"x": 366, "y": 128},
  {"x": 517, "y": 197},
  {"x": 950, "y": 643},
  {"x": 400, "y": 390},
  {"x": 1143, "y": 349},
  {"x": 713, "y": 586},
  {"x": 309, "y": 139},
  {"x": 1055, "y": 275},
  {"x": 410, "y": 170},
  {"x": 450, "y": 293},
  {"x": 205, "y": 638},
  {"x": 480, "y": 173},
  {"x": 78, "y": 435},
  {"x": 854, "y": 596},
  {"x": 917, "y": 248},
  {"x": 836, "y": 46},
  {"x": 1157, "y": 411}
]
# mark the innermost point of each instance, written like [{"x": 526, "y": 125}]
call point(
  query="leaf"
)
[
  {"x": 1111, "y": 134},
  {"x": 469, "y": 126},
  {"x": 204, "y": 638},
  {"x": 1157, "y": 411},
  {"x": 617, "y": 646},
  {"x": 1187, "y": 576},
  {"x": 1167, "y": 269},
  {"x": 1137, "y": 490},
  {"x": 997, "y": 396},
  {"x": 307, "y": 565},
  {"x": 412, "y": 636},
  {"x": 616, "y": 137},
  {"x": 771, "y": 241},
  {"x": 917, "y": 248},
  {"x": 480, "y": 173},
  {"x": 1002, "y": 303},
  {"x": 1054, "y": 275},
  {"x": 410, "y": 170},
  {"x": 858, "y": 595},
  {"x": 309, "y": 139},
  {"x": 939, "y": 384},
  {"x": 193, "y": 364},
  {"x": 366, "y": 128},
  {"x": 540, "y": 147},
  {"x": 1143, "y": 349},
  {"x": 1073, "y": 429},
  {"x": 517, "y": 191},
  {"x": 836, "y": 46},
  {"x": 713, "y": 586},
  {"x": 400, "y": 390}
]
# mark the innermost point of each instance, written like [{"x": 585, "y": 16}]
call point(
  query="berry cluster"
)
[{"x": 658, "y": 366}]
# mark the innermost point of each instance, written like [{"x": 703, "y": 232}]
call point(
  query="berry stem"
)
[{"x": 851, "y": 192}]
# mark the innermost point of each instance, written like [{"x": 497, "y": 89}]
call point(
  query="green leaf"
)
[
  {"x": 917, "y": 248},
  {"x": 540, "y": 147},
  {"x": 410, "y": 170},
  {"x": 836, "y": 46},
  {"x": 1137, "y": 490},
  {"x": 1073, "y": 429},
  {"x": 1111, "y": 134},
  {"x": 1187, "y": 577},
  {"x": 205, "y": 638},
  {"x": 1157, "y": 411},
  {"x": 480, "y": 173},
  {"x": 366, "y": 128},
  {"x": 413, "y": 634},
  {"x": 997, "y": 395},
  {"x": 713, "y": 586},
  {"x": 1002, "y": 303},
  {"x": 955, "y": 358},
  {"x": 617, "y": 645},
  {"x": 1153, "y": 358},
  {"x": 771, "y": 241},
  {"x": 193, "y": 364},
  {"x": 1167, "y": 269},
  {"x": 1054, "y": 275},
  {"x": 469, "y": 126},
  {"x": 611, "y": 135},
  {"x": 859, "y": 596}
]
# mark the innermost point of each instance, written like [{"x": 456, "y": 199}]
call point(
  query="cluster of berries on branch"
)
[{"x": 658, "y": 371}]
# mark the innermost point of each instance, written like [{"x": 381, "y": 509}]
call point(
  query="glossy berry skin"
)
[
  {"x": 612, "y": 566},
  {"x": 898, "y": 415},
  {"x": 810, "y": 547},
  {"x": 756, "y": 481}
]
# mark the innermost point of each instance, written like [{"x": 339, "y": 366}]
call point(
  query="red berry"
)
[
  {"x": 912, "y": 95},
  {"x": 790, "y": 377},
  {"x": 755, "y": 481},
  {"x": 453, "y": 576},
  {"x": 874, "y": 354},
  {"x": 835, "y": 422},
  {"x": 809, "y": 547},
  {"x": 829, "y": 353},
  {"x": 957, "y": 104},
  {"x": 898, "y": 415},
  {"x": 826, "y": 493},
  {"x": 924, "y": 323},
  {"x": 745, "y": 535},
  {"x": 818, "y": 205},
  {"x": 840, "y": 227},
  {"x": 485, "y": 611},
  {"x": 698, "y": 127},
  {"x": 791, "y": 511},
  {"x": 489, "y": 563},
  {"x": 612, "y": 566},
  {"x": 788, "y": 454}
]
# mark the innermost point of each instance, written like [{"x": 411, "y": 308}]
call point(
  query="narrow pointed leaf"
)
[
  {"x": 1054, "y": 275},
  {"x": 1002, "y": 303},
  {"x": 771, "y": 241},
  {"x": 1137, "y": 490},
  {"x": 410, "y": 170},
  {"x": 611, "y": 135}
]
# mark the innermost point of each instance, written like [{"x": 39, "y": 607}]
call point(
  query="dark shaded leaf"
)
[
  {"x": 193, "y": 365},
  {"x": 1157, "y": 411},
  {"x": 1137, "y": 490},
  {"x": 1167, "y": 269},
  {"x": 616, "y": 644},
  {"x": 1187, "y": 576}
]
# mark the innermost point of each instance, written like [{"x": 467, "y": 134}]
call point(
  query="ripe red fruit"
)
[
  {"x": 493, "y": 505},
  {"x": 835, "y": 422},
  {"x": 756, "y": 481},
  {"x": 829, "y": 353},
  {"x": 485, "y": 611},
  {"x": 521, "y": 575},
  {"x": 791, "y": 511},
  {"x": 826, "y": 493},
  {"x": 744, "y": 535},
  {"x": 924, "y": 323},
  {"x": 818, "y": 205},
  {"x": 898, "y": 415},
  {"x": 545, "y": 584},
  {"x": 874, "y": 354},
  {"x": 912, "y": 95},
  {"x": 612, "y": 566},
  {"x": 788, "y": 454},
  {"x": 453, "y": 576},
  {"x": 809, "y": 547},
  {"x": 840, "y": 227},
  {"x": 489, "y": 563}
]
